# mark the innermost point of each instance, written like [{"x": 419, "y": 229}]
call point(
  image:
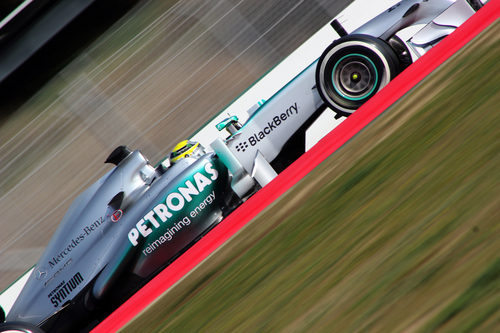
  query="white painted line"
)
[
  {"x": 13, "y": 14},
  {"x": 9, "y": 296}
]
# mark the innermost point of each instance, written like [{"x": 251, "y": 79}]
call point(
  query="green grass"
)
[
  {"x": 487, "y": 282},
  {"x": 398, "y": 231}
]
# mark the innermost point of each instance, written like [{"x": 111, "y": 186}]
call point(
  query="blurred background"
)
[{"x": 141, "y": 73}]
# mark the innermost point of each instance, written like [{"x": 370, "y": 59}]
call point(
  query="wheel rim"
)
[{"x": 354, "y": 77}]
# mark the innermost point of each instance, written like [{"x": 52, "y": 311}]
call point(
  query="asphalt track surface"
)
[{"x": 151, "y": 79}]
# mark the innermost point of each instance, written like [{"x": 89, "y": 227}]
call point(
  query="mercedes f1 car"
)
[{"x": 137, "y": 218}]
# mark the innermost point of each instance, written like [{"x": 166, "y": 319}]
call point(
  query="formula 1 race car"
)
[{"x": 137, "y": 218}]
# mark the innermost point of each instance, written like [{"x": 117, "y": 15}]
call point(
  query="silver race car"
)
[{"x": 137, "y": 218}]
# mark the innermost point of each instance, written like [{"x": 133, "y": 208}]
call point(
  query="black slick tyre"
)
[{"x": 353, "y": 69}]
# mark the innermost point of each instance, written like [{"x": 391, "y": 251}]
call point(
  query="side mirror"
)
[{"x": 231, "y": 124}]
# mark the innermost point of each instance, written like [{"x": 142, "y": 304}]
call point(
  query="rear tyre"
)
[
  {"x": 475, "y": 4},
  {"x": 353, "y": 69},
  {"x": 19, "y": 327}
]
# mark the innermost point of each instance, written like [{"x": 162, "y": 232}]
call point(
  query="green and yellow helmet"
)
[{"x": 185, "y": 149}]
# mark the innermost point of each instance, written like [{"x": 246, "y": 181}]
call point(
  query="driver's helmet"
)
[{"x": 185, "y": 149}]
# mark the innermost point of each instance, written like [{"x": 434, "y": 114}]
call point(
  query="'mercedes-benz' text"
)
[{"x": 86, "y": 231}]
